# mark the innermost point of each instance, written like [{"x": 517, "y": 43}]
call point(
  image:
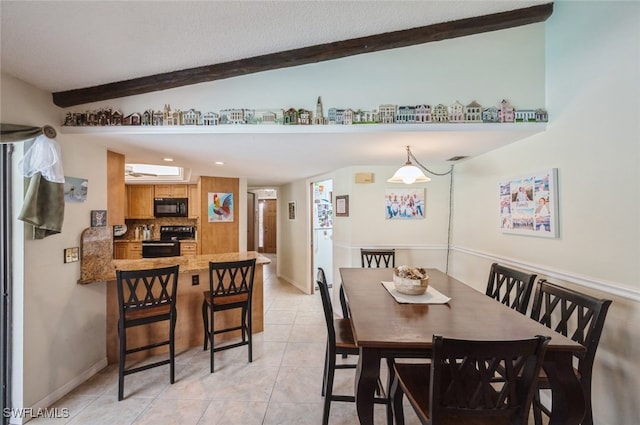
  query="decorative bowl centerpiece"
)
[{"x": 410, "y": 280}]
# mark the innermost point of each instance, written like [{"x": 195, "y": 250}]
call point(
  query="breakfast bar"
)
[{"x": 193, "y": 280}]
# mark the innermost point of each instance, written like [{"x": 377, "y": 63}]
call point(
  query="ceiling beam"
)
[{"x": 306, "y": 55}]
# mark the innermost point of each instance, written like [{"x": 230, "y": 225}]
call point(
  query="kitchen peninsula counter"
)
[
  {"x": 188, "y": 263},
  {"x": 189, "y": 326}
]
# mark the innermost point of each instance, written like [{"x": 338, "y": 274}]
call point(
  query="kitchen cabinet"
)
[
  {"x": 115, "y": 189},
  {"x": 188, "y": 248},
  {"x": 119, "y": 251},
  {"x": 171, "y": 191},
  {"x": 127, "y": 250},
  {"x": 194, "y": 201},
  {"x": 140, "y": 200}
]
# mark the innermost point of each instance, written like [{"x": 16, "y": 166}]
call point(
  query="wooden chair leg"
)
[
  {"x": 172, "y": 349},
  {"x": 121, "y": 362},
  {"x": 329, "y": 387},
  {"x": 396, "y": 395},
  {"x": 212, "y": 327},
  {"x": 205, "y": 321},
  {"x": 326, "y": 369},
  {"x": 250, "y": 334}
]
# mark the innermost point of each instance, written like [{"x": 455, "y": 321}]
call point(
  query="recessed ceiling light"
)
[
  {"x": 219, "y": 163},
  {"x": 168, "y": 159}
]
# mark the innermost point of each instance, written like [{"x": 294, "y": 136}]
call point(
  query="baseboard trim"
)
[{"x": 50, "y": 399}]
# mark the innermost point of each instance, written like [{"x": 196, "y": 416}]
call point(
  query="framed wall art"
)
[
  {"x": 98, "y": 218},
  {"x": 75, "y": 189},
  {"x": 404, "y": 204},
  {"x": 342, "y": 206},
  {"x": 71, "y": 255},
  {"x": 220, "y": 207},
  {"x": 292, "y": 210},
  {"x": 529, "y": 204}
]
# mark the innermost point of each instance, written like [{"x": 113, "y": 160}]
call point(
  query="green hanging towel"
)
[{"x": 43, "y": 206}]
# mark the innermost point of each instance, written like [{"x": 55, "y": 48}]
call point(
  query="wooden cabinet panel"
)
[
  {"x": 171, "y": 191},
  {"x": 140, "y": 200},
  {"x": 194, "y": 201},
  {"x": 188, "y": 248},
  {"x": 119, "y": 250},
  {"x": 134, "y": 250},
  {"x": 115, "y": 189},
  {"x": 218, "y": 237},
  {"x": 127, "y": 250}
]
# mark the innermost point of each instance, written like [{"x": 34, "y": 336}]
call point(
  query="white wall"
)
[
  {"x": 59, "y": 326},
  {"x": 293, "y": 236},
  {"x": 486, "y": 67},
  {"x": 591, "y": 61},
  {"x": 592, "y": 91}
]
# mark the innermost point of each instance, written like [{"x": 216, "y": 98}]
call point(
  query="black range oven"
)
[
  {"x": 169, "y": 243},
  {"x": 155, "y": 249}
]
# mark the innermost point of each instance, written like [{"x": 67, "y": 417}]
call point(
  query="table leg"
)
[
  {"x": 367, "y": 374},
  {"x": 568, "y": 404}
]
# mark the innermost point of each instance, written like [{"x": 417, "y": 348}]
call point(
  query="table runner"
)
[{"x": 432, "y": 296}]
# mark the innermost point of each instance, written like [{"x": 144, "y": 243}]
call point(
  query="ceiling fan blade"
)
[{"x": 134, "y": 174}]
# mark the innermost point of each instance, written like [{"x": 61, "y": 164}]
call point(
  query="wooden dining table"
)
[{"x": 385, "y": 328}]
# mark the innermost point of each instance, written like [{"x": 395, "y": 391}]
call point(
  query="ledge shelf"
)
[{"x": 530, "y": 128}]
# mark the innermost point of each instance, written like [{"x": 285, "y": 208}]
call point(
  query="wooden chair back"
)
[
  {"x": 231, "y": 281},
  {"x": 378, "y": 258},
  {"x": 484, "y": 379},
  {"x": 577, "y": 316},
  {"x": 146, "y": 296},
  {"x": 510, "y": 287},
  {"x": 327, "y": 307}
]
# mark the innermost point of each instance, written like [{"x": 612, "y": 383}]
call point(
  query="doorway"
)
[
  {"x": 5, "y": 272},
  {"x": 267, "y": 225},
  {"x": 322, "y": 228},
  {"x": 251, "y": 221}
]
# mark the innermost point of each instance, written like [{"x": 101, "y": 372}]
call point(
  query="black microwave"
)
[{"x": 170, "y": 207}]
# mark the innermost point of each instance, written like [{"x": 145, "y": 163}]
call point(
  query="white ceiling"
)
[{"x": 63, "y": 45}]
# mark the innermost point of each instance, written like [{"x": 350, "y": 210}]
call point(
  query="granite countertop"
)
[{"x": 188, "y": 264}]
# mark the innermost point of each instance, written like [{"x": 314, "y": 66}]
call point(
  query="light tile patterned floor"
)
[{"x": 281, "y": 386}]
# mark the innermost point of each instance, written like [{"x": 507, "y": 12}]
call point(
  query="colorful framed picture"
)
[
  {"x": 98, "y": 218},
  {"x": 529, "y": 204},
  {"x": 342, "y": 206},
  {"x": 220, "y": 207},
  {"x": 404, "y": 204}
]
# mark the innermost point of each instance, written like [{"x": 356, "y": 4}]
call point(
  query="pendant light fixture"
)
[{"x": 409, "y": 173}]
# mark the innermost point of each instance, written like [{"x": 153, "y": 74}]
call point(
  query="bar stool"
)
[
  {"x": 230, "y": 287},
  {"x": 146, "y": 297}
]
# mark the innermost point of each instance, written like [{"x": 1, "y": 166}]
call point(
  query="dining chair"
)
[
  {"x": 370, "y": 258},
  {"x": 146, "y": 297},
  {"x": 339, "y": 342},
  {"x": 575, "y": 315},
  {"x": 378, "y": 258},
  {"x": 230, "y": 287},
  {"x": 461, "y": 384},
  {"x": 511, "y": 287}
]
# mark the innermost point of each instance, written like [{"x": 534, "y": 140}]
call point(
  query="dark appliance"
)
[
  {"x": 169, "y": 243},
  {"x": 156, "y": 248},
  {"x": 177, "y": 233},
  {"x": 170, "y": 207}
]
